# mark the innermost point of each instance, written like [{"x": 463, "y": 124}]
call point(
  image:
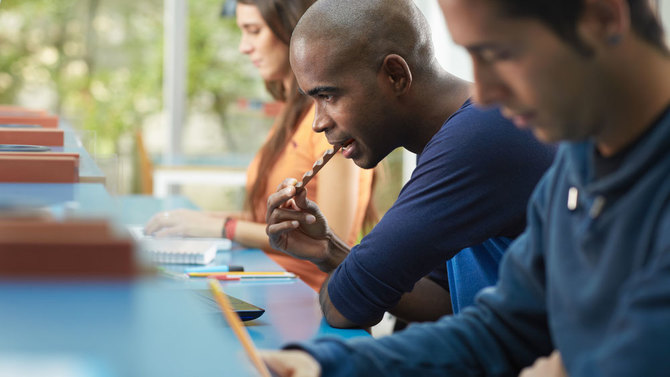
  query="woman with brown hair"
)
[{"x": 342, "y": 190}]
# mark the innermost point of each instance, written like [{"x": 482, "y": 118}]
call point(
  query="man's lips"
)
[
  {"x": 347, "y": 148},
  {"x": 342, "y": 144},
  {"x": 523, "y": 120},
  {"x": 520, "y": 119},
  {"x": 347, "y": 143}
]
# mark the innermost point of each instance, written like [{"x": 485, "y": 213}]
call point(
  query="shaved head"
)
[
  {"x": 370, "y": 68},
  {"x": 364, "y": 32}
]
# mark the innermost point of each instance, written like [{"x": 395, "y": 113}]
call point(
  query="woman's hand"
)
[{"x": 184, "y": 223}]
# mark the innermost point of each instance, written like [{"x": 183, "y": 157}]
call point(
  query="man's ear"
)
[
  {"x": 397, "y": 72},
  {"x": 605, "y": 21}
]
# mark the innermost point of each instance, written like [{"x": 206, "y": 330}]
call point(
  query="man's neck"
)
[
  {"x": 645, "y": 94},
  {"x": 434, "y": 100}
]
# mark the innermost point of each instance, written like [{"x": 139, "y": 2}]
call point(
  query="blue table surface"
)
[
  {"x": 292, "y": 308},
  {"x": 144, "y": 328},
  {"x": 152, "y": 326},
  {"x": 61, "y": 199}
]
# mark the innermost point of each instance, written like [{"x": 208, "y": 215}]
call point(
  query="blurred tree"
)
[
  {"x": 89, "y": 61},
  {"x": 98, "y": 63},
  {"x": 217, "y": 71}
]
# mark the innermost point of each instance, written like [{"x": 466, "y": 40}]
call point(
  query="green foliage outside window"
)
[{"x": 98, "y": 64}]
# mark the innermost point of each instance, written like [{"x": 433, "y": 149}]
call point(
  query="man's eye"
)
[
  {"x": 326, "y": 97},
  {"x": 492, "y": 55}
]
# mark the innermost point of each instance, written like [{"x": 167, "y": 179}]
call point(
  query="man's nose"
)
[
  {"x": 489, "y": 88},
  {"x": 322, "y": 121}
]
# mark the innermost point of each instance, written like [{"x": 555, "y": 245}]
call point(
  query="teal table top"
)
[
  {"x": 148, "y": 327},
  {"x": 143, "y": 328},
  {"x": 292, "y": 308}
]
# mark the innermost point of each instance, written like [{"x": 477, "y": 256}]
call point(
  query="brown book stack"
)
[
  {"x": 37, "y": 168},
  {"x": 53, "y": 137},
  {"x": 20, "y": 115},
  {"x": 34, "y": 247},
  {"x": 24, "y": 128}
]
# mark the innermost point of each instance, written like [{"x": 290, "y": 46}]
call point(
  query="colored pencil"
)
[{"x": 238, "y": 328}]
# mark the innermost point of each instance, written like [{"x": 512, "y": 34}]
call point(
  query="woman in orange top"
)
[{"x": 342, "y": 190}]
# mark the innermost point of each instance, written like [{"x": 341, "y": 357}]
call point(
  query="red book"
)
[
  {"x": 32, "y": 136},
  {"x": 44, "y": 154},
  {"x": 46, "y": 248},
  {"x": 39, "y": 169},
  {"x": 29, "y": 117}
]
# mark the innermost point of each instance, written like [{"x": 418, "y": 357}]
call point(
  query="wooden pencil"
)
[
  {"x": 238, "y": 328},
  {"x": 318, "y": 165},
  {"x": 327, "y": 155}
]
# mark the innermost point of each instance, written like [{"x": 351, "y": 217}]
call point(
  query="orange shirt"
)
[{"x": 305, "y": 147}]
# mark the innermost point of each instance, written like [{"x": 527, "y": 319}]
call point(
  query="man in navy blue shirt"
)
[{"x": 466, "y": 198}]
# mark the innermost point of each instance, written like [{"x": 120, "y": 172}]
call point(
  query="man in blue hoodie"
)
[{"x": 589, "y": 280}]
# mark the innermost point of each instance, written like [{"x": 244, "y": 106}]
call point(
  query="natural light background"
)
[{"x": 99, "y": 64}]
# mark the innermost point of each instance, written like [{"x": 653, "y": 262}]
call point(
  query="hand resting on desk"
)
[
  {"x": 185, "y": 223},
  {"x": 550, "y": 366},
  {"x": 291, "y": 363},
  {"x": 296, "y": 226}
]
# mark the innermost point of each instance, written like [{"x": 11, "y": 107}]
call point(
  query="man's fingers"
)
[
  {"x": 281, "y": 214},
  {"x": 291, "y": 363},
  {"x": 277, "y": 199},
  {"x": 290, "y": 204},
  {"x": 301, "y": 199},
  {"x": 282, "y": 217},
  {"x": 286, "y": 183},
  {"x": 276, "y": 230},
  {"x": 274, "y": 362}
]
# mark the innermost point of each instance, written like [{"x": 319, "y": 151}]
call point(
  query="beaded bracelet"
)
[{"x": 229, "y": 227}]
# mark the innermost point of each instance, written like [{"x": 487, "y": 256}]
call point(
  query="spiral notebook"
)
[{"x": 178, "y": 250}]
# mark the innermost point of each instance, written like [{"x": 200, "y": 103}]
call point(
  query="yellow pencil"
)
[
  {"x": 260, "y": 274},
  {"x": 238, "y": 328}
]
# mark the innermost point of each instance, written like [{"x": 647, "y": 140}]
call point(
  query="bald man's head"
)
[
  {"x": 364, "y": 32},
  {"x": 367, "y": 64}
]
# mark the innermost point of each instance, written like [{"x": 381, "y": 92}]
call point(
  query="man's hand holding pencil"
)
[{"x": 297, "y": 226}]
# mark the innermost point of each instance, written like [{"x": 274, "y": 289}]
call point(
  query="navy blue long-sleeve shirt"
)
[{"x": 468, "y": 191}]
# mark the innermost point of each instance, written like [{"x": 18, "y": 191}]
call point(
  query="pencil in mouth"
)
[{"x": 318, "y": 165}]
